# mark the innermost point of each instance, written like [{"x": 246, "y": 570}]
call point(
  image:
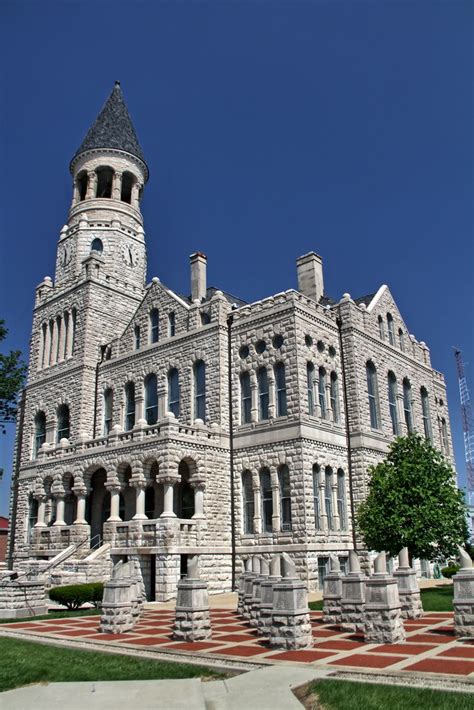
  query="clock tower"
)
[{"x": 104, "y": 236}]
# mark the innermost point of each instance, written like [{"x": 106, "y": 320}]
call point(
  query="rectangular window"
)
[
  {"x": 317, "y": 509},
  {"x": 171, "y": 324},
  {"x": 263, "y": 393},
  {"x": 328, "y": 499},
  {"x": 280, "y": 383},
  {"x": 285, "y": 498},
  {"x": 246, "y": 398},
  {"x": 267, "y": 501},
  {"x": 322, "y": 392},
  {"x": 310, "y": 385},
  {"x": 341, "y": 501}
]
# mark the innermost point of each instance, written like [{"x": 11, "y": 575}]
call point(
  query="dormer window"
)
[{"x": 97, "y": 245}]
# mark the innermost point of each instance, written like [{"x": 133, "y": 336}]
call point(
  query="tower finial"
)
[{"x": 117, "y": 83}]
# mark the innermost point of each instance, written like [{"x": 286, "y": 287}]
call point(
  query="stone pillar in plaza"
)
[
  {"x": 383, "y": 619},
  {"x": 332, "y": 592},
  {"x": 408, "y": 589},
  {"x": 241, "y": 589},
  {"x": 257, "y": 593},
  {"x": 119, "y": 603},
  {"x": 20, "y": 596},
  {"x": 248, "y": 587},
  {"x": 192, "y": 620},
  {"x": 290, "y": 626},
  {"x": 353, "y": 596},
  {"x": 266, "y": 595},
  {"x": 463, "y": 599}
]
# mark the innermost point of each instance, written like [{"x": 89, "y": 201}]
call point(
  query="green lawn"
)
[
  {"x": 56, "y": 614},
  {"x": 347, "y": 695},
  {"x": 433, "y": 599},
  {"x": 24, "y": 662}
]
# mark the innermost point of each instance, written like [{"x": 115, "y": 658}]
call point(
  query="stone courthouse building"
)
[{"x": 157, "y": 425}]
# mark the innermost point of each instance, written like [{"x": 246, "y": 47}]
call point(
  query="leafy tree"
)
[
  {"x": 413, "y": 502},
  {"x": 12, "y": 375}
]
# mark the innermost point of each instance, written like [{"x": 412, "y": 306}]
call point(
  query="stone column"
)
[
  {"x": 62, "y": 340},
  {"x": 402, "y": 427},
  {"x": 266, "y": 596},
  {"x": 463, "y": 599},
  {"x": 47, "y": 346},
  {"x": 54, "y": 343},
  {"x": 41, "y": 498},
  {"x": 135, "y": 195},
  {"x": 383, "y": 620},
  {"x": 271, "y": 395},
  {"x": 291, "y": 627},
  {"x": 199, "y": 487},
  {"x": 139, "y": 499},
  {"x": 353, "y": 597},
  {"x": 332, "y": 593},
  {"x": 335, "y": 513},
  {"x": 257, "y": 516},
  {"x": 91, "y": 184},
  {"x": 59, "y": 509},
  {"x": 329, "y": 412},
  {"x": 114, "y": 490},
  {"x": 117, "y": 186},
  {"x": 192, "y": 621},
  {"x": 322, "y": 504},
  {"x": 253, "y": 400},
  {"x": 256, "y": 593},
  {"x": 139, "y": 410},
  {"x": 69, "y": 337},
  {"x": 276, "y": 522},
  {"x": 408, "y": 590},
  {"x": 248, "y": 587},
  {"x": 168, "y": 486},
  {"x": 81, "y": 507},
  {"x": 241, "y": 586}
]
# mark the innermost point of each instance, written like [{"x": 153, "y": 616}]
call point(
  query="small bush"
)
[
  {"x": 448, "y": 572},
  {"x": 73, "y": 596}
]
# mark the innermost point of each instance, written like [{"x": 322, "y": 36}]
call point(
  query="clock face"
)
[
  {"x": 130, "y": 255},
  {"x": 66, "y": 254}
]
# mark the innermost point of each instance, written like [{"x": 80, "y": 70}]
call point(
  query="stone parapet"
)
[
  {"x": 408, "y": 589},
  {"x": 463, "y": 597},
  {"x": 20, "y": 598},
  {"x": 383, "y": 620}
]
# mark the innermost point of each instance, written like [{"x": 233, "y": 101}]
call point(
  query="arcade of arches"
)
[{"x": 117, "y": 496}]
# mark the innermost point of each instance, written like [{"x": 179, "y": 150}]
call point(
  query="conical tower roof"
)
[{"x": 113, "y": 128}]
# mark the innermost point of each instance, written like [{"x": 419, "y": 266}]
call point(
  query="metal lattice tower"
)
[{"x": 467, "y": 426}]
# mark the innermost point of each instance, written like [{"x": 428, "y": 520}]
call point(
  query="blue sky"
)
[{"x": 270, "y": 129}]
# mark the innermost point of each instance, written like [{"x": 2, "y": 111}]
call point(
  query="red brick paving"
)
[
  {"x": 341, "y": 644},
  {"x": 194, "y": 646},
  {"x": 148, "y": 640},
  {"x": 366, "y": 660},
  {"x": 306, "y": 656},
  {"x": 438, "y": 665},
  {"x": 242, "y": 650},
  {"x": 324, "y": 633},
  {"x": 111, "y": 637},
  {"x": 406, "y": 649},
  {"x": 75, "y": 632},
  {"x": 235, "y": 638},
  {"x": 429, "y": 638},
  {"x": 461, "y": 651}
]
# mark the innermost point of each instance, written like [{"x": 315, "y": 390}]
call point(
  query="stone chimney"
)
[
  {"x": 198, "y": 263},
  {"x": 310, "y": 275}
]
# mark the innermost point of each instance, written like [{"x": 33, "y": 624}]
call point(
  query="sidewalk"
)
[{"x": 266, "y": 689}]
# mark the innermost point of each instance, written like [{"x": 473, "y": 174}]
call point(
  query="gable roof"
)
[{"x": 113, "y": 128}]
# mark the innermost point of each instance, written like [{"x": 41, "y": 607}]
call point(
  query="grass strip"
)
[
  {"x": 349, "y": 695},
  {"x": 432, "y": 598},
  {"x": 25, "y": 662}
]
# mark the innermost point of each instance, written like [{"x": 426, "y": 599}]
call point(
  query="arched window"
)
[
  {"x": 444, "y": 436},
  {"x": 63, "y": 422},
  {"x": 171, "y": 324},
  {"x": 262, "y": 381},
  {"x": 336, "y": 415},
  {"x": 96, "y": 245},
  {"x": 372, "y": 391},
  {"x": 267, "y": 499},
  {"x": 73, "y": 326},
  {"x": 136, "y": 335},
  {"x": 184, "y": 493},
  {"x": 425, "y": 413},
  {"x": 173, "y": 392},
  {"x": 126, "y": 191},
  {"x": 32, "y": 515},
  {"x": 40, "y": 432},
  {"x": 154, "y": 325},
  {"x": 328, "y": 496},
  {"x": 316, "y": 505},
  {"x": 401, "y": 340},
  {"x": 381, "y": 328},
  {"x": 341, "y": 500},
  {"x": 285, "y": 497},
  {"x": 82, "y": 185},
  {"x": 247, "y": 502},
  {"x": 150, "y": 502},
  {"x": 245, "y": 398},
  {"x": 129, "y": 406},
  {"x": 151, "y": 399},
  {"x": 105, "y": 178},
  {"x": 280, "y": 386},
  {"x": 322, "y": 392},
  {"x": 392, "y": 402},
  {"x": 200, "y": 390},
  {"x": 391, "y": 334},
  {"x": 108, "y": 410},
  {"x": 407, "y": 404},
  {"x": 311, "y": 385}
]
